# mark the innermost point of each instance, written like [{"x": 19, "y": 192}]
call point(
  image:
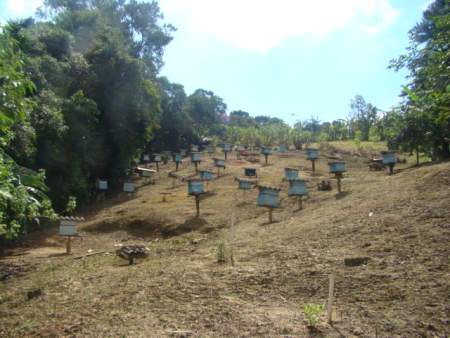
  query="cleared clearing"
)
[{"x": 400, "y": 222}]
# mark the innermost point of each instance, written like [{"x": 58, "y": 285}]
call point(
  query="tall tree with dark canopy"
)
[{"x": 95, "y": 66}]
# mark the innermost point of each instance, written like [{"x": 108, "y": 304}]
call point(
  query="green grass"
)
[
  {"x": 378, "y": 147},
  {"x": 366, "y": 145}
]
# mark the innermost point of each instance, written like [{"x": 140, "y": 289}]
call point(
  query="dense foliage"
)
[
  {"x": 22, "y": 191},
  {"x": 97, "y": 98},
  {"x": 424, "y": 117}
]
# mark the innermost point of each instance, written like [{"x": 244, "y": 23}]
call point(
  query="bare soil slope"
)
[{"x": 400, "y": 224}]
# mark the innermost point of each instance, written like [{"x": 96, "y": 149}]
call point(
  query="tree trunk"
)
[
  {"x": 417, "y": 156},
  {"x": 445, "y": 153}
]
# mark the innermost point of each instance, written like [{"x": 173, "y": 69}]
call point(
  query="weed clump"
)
[{"x": 224, "y": 253}]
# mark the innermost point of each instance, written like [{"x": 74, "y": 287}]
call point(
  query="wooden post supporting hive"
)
[
  {"x": 269, "y": 197},
  {"x": 195, "y": 188},
  {"x": 339, "y": 177},
  {"x": 206, "y": 175},
  {"x": 338, "y": 168},
  {"x": 219, "y": 163},
  {"x": 312, "y": 155},
  {"x": 196, "y": 158},
  {"x": 226, "y": 149},
  {"x": 297, "y": 188},
  {"x": 197, "y": 206},
  {"x": 390, "y": 160},
  {"x": 178, "y": 160},
  {"x": 68, "y": 229},
  {"x": 266, "y": 151}
]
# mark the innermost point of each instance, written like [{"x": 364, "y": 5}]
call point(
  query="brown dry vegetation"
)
[{"x": 403, "y": 290}]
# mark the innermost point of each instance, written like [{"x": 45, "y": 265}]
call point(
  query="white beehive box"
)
[
  {"x": 68, "y": 227},
  {"x": 102, "y": 185},
  {"x": 128, "y": 187}
]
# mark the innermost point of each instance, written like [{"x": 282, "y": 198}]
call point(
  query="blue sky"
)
[{"x": 285, "y": 58}]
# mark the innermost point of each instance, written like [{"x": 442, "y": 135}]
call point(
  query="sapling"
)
[
  {"x": 222, "y": 252},
  {"x": 312, "y": 312}
]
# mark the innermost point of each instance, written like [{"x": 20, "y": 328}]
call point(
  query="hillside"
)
[{"x": 401, "y": 223}]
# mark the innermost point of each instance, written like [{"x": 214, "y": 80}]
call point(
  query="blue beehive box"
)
[
  {"x": 250, "y": 172},
  {"x": 290, "y": 173},
  {"x": 157, "y": 157},
  {"x": 219, "y": 162},
  {"x": 146, "y": 158},
  {"x": 196, "y": 157},
  {"x": 312, "y": 154},
  {"x": 297, "y": 187},
  {"x": 337, "y": 167},
  {"x": 226, "y": 147},
  {"x": 283, "y": 149},
  {"x": 194, "y": 148},
  {"x": 389, "y": 157},
  {"x": 245, "y": 184},
  {"x": 206, "y": 175},
  {"x": 178, "y": 158},
  {"x": 195, "y": 187},
  {"x": 266, "y": 150},
  {"x": 268, "y": 197}
]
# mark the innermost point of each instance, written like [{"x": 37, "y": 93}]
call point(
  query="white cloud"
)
[
  {"x": 21, "y": 8},
  {"x": 263, "y": 24}
]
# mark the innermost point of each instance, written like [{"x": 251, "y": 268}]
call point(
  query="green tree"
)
[
  {"x": 426, "y": 107},
  {"x": 241, "y": 118},
  {"x": 363, "y": 116},
  {"x": 205, "y": 109},
  {"x": 98, "y": 101},
  {"x": 175, "y": 129}
]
